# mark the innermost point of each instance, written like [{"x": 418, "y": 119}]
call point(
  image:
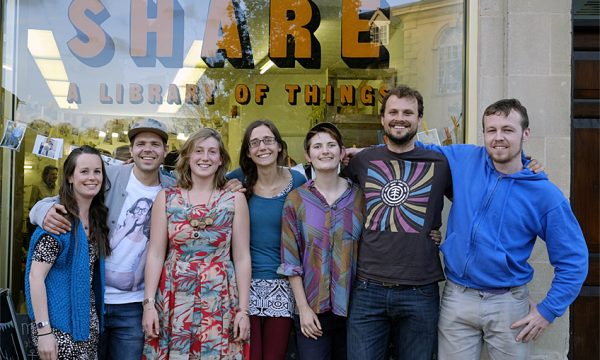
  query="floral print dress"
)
[{"x": 197, "y": 294}]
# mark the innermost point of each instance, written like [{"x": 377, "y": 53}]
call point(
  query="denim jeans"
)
[
  {"x": 469, "y": 318},
  {"x": 407, "y": 315},
  {"x": 123, "y": 337},
  {"x": 330, "y": 345}
]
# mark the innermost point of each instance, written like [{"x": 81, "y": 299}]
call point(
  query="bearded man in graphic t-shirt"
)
[
  {"x": 396, "y": 296},
  {"x": 129, "y": 199}
]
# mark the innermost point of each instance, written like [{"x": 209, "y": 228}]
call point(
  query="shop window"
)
[{"x": 83, "y": 77}]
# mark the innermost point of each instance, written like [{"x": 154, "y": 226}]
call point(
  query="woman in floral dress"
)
[{"x": 197, "y": 307}]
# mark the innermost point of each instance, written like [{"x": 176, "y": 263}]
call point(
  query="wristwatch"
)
[
  {"x": 148, "y": 301},
  {"x": 42, "y": 324}
]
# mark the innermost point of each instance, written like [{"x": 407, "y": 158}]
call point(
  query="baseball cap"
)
[
  {"x": 150, "y": 125},
  {"x": 319, "y": 128}
]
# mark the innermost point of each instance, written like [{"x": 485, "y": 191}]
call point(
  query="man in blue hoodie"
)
[{"x": 499, "y": 209}]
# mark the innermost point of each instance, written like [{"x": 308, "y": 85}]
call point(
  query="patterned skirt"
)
[{"x": 271, "y": 297}]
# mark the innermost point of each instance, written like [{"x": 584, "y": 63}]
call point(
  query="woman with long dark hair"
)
[
  {"x": 267, "y": 184},
  {"x": 64, "y": 276}
]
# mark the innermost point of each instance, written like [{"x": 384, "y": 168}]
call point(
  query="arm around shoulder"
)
[{"x": 40, "y": 209}]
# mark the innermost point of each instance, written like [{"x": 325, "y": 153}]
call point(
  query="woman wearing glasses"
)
[{"x": 267, "y": 184}]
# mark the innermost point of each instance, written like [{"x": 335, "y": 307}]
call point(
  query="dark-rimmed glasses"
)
[{"x": 267, "y": 140}]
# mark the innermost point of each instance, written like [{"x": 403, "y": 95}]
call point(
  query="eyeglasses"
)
[
  {"x": 267, "y": 140},
  {"x": 140, "y": 211}
]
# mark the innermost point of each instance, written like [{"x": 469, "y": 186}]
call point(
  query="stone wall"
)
[{"x": 525, "y": 52}]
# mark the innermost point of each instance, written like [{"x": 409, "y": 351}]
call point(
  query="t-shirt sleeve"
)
[
  {"x": 46, "y": 250},
  {"x": 236, "y": 174},
  {"x": 350, "y": 171}
]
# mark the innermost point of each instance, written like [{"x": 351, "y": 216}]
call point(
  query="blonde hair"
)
[{"x": 182, "y": 167}]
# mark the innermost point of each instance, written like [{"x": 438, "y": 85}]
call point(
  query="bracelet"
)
[
  {"x": 48, "y": 333},
  {"x": 243, "y": 311},
  {"x": 148, "y": 301}
]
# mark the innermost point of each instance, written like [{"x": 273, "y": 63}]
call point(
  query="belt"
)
[
  {"x": 386, "y": 284},
  {"x": 493, "y": 291}
]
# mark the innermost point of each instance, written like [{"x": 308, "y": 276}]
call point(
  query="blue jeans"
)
[
  {"x": 330, "y": 345},
  {"x": 123, "y": 337},
  {"x": 407, "y": 315}
]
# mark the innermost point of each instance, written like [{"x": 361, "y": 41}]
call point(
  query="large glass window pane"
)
[{"x": 83, "y": 71}]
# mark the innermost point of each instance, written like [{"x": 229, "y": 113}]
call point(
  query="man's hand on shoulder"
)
[
  {"x": 350, "y": 153},
  {"x": 234, "y": 185},
  {"x": 55, "y": 221},
  {"x": 535, "y": 166},
  {"x": 534, "y": 325}
]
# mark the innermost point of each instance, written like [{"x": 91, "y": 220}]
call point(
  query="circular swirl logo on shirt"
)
[{"x": 395, "y": 193}]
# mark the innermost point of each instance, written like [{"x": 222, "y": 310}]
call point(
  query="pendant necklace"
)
[{"x": 198, "y": 222}]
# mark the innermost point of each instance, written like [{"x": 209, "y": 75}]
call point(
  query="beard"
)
[
  {"x": 401, "y": 140},
  {"x": 507, "y": 157}
]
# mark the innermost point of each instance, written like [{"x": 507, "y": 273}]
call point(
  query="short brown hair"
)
[
  {"x": 504, "y": 107},
  {"x": 403, "y": 91}
]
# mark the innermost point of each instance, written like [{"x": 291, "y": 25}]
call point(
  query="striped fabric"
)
[{"x": 320, "y": 243}]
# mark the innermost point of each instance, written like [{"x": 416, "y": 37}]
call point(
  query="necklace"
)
[{"x": 198, "y": 222}]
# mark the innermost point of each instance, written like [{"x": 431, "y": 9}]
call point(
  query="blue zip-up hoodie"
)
[{"x": 494, "y": 222}]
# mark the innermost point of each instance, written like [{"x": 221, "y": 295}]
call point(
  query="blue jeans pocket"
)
[
  {"x": 430, "y": 290},
  {"x": 361, "y": 284}
]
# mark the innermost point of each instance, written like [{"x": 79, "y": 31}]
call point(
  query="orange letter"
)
[
  {"x": 73, "y": 94},
  {"x": 136, "y": 93},
  {"x": 366, "y": 95},
  {"x": 191, "y": 94},
  {"x": 261, "y": 93},
  {"x": 347, "y": 94},
  {"x": 292, "y": 34},
  {"x": 173, "y": 96},
  {"x": 155, "y": 94},
  {"x": 168, "y": 27},
  {"x": 92, "y": 45},
  {"x": 329, "y": 94},
  {"x": 226, "y": 36},
  {"x": 104, "y": 97},
  {"x": 292, "y": 90},
  {"x": 312, "y": 95},
  {"x": 242, "y": 94},
  {"x": 357, "y": 49}
]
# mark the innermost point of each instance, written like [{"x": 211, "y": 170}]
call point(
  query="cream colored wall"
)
[{"x": 524, "y": 52}]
